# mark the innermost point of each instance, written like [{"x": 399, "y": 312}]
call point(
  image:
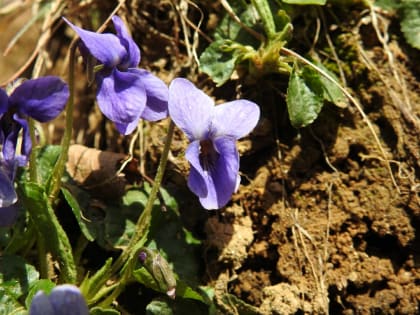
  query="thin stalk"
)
[
  {"x": 82, "y": 242},
  {"x": 119, "y": 287},
  {"x": 55, "y": 184},
  {"x": 143, "y": 222},
  {"x": 33, "y": 169},
  {"x": 44, "y": 270},
  {"x": 50, "y": 232}
]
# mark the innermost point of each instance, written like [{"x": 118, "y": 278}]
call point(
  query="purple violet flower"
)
[
  {"x": 8, "y": 197},
  {"x": 64, "y": 299},
  {"x": 41, "y": 99},
  {"x": 212, "y": 131},
  {"x": 124, "y": 93}
]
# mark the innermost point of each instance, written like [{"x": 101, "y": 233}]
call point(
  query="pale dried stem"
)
[
  {"x": 403, "y": 105},
  {"x": 318, "y": 275},
  {"x": 233, "y": 15},
  {"x": 332, "y": 47}
]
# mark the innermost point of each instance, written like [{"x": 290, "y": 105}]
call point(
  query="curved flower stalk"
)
[
  {"x": 124, "y": 93},
  {"x": 212, "y": 131},
  {"x": 64, "y": 299},
  {"x": 41, "y": 99}
]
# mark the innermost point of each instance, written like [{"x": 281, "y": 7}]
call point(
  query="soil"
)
[{"x": 324, "y": 221}]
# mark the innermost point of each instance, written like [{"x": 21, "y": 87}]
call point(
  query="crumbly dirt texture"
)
[{"x": 326, "y": 220}]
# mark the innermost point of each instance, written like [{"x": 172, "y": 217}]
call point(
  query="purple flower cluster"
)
[
  {"x": 126, "y": 94},
  {"x": 41, "y": 99}
]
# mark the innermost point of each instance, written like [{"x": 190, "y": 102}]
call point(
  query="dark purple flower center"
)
[
  {"x": 7, "y": 122},
  {"x": 142, "y": 257},
  {"x": 208, "y": 155}
]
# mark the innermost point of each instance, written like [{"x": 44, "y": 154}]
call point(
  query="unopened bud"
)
[{"x": 160, "y": 270}]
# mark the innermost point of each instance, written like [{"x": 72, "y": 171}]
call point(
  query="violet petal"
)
[
  {"x": 107, "y": 47},
  {"x": 190, "y": 108},
  {"x": 4, "y": 101},
  {"x": 42, "y": 99},
  {"x": 121, "y": 96},
  {"x": 41, "y": 305},
  {"x": 235, "y": 119},
  {"x": 66, "y": 299},
  {"x": 10, "y": 141},
  {"x": 7, "y": 190},
  {"x": 225, "y": 173},
  {"x": 132, "y": 58},
  {"x": 127, "y": 128},
  {"x": 26, "y": 139},
  {"x": 215, "y": 186},
  {"x": 8, "y": 215},
  {"x": 197, "y": 180},
  {"x": 157, "y": 95}
]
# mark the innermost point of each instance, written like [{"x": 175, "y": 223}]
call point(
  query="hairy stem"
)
[
  {"x": 33, "y": 170},
  {"x": 143, "y": 223},
  {"x": 55, "y": 183}
]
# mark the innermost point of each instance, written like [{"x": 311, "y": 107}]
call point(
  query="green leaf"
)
[
  {"x": 144, "y": 277},
  {"x": 186, "y": 292},
  {"x": 179, "y": 247},
  {"x": 91, "y": 285},
  {"x": 231, "y": 44},
  {"x": 159, "y": 307},
  {"x": 388, "y": 4},
  {"x": 304, "y": 98},
  {"x": 306, "y": 2},
  {"x": 178, "y": 306},
  {"x": 45, "y": 285},
  {"x": 88, "y": 229},
  {"x": 217, "y": 63},
  {"x": 16, "y": 275},
  {"x": 47, "y": 157},
  {"x": 168, "y": 232},
  {"x": 228, "y": 29},
  {"x": 9, "y": 305},
  {"x": 410, "y": 22},
  {"x": 331, "y": 92},
  {"x": 36, "y": 201},
  {"x": 111, "y": 224},
  {"x": 119, "y": 223},
  {"x": 190, "y": 239},
  {"x": 103, "y": 311}
]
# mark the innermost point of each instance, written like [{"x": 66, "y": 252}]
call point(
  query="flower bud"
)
[{"x": 160, "y": 270}]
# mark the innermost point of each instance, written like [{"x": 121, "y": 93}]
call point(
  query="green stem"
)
[
  {"x": 119, "y": 287},
  {"x": 55, "y": 183},
  {"x": 126, "y": 277},
  {"x": 43, "y": 259},
  {"x": 51, "y": 234},
  {"x": 82, "y": 242},
  {"x": 33, "y": 170},
  {"x": 264, "y": 11},
  {"x": 143, "y": 223}
]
